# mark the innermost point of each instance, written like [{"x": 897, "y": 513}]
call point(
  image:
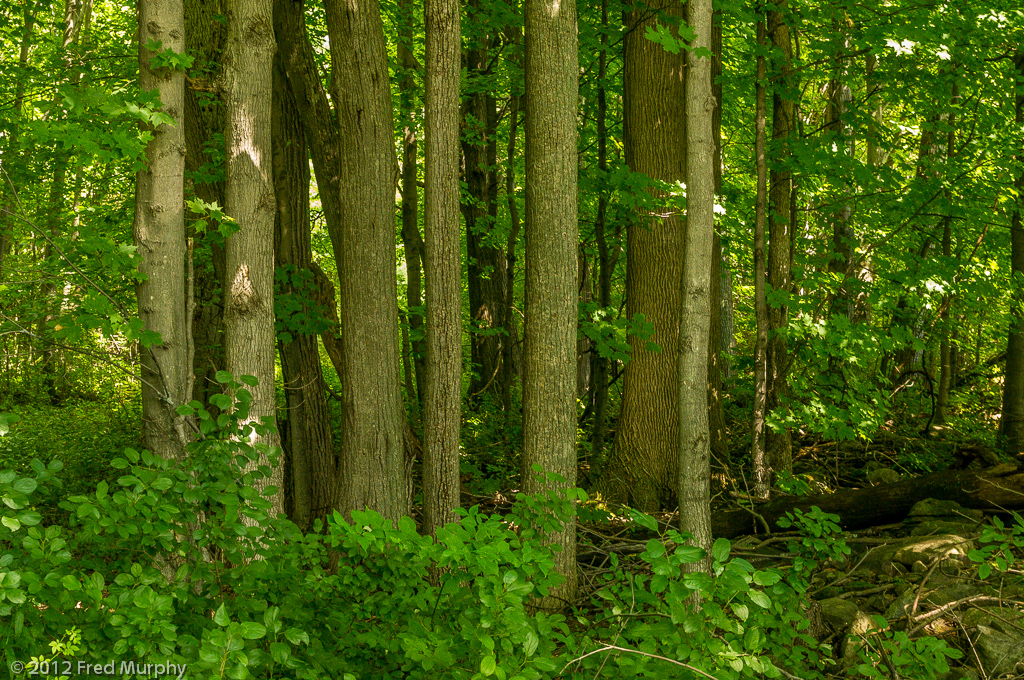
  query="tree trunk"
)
[
  {"x": 485, "y": 275},
  {"x": 643, "y": 468},
  {"x": 606, "y": 259},
  {"x": 1000, "y": 487},
  {"x": 311, "y": 485},
  {"x": 759, "y": 462},
  {"x": 1011, "y": 426},
  {"x": 778, "y": 445},
  {"x": 549, "y": 376},
  {"x": 204, "y": 163},
  {"x": 362, "y": 180},
  {"x": 695, "y": 329},
  {"x": 716, "y": 360},
  {"x": 412, "y": 242},
  {"x": 8, "y": 215},
  {"x": 159, "y": 235},
  {"x": 249, "y": 253},
  {"x": 443, "y": 393}
]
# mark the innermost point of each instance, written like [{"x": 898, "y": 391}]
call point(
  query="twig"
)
[{"x": 637, "y": 651}]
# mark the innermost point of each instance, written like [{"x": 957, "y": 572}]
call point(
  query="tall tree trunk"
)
[
  {"x": 762, "y": 473},
  {"x": 159, "y": 235},
  {"x": 946, "y": 365},
  {"x": 549, "y": 376},
  {"x": 311, "y": 485},
  {"x": 508, "y": 349},
  {"x": 778, "y": 445},
  {"x": 485, "y": 260},
  {"x": 412, "y": 242},
  {"x": 8, "y": 216},
  {"x": 1011, "y": 426},
  {"x": 695, "y": 330},
  {"x": 373, "y": 472},
  {"x": 643, "y": 468},
  {"x": 442, "y": 407},
  {"x": 716, "y": 360},
  {"x": 606, "y": 259},
  {"x": 204, "y": 127},
  {"x": 249, "y": 199}
]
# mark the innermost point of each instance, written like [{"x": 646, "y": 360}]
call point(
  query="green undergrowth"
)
[{"x": 179, "y": 562}]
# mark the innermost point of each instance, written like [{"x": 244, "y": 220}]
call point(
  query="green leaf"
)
[
  {"x": 221, "y": 618},
  {"x": 71, "y": 583},
  {"x": 223, "y": 377},
  {"x": 487, "y": 666},
  {"x": 10, "y": 522},
  {"x": 646, "y": 521},
  {"x": 25, "y": 485},
  {"x": 760, "y": 599},
  {"x": 720, "y": 550},
  {"x": 253, "y": 631}
]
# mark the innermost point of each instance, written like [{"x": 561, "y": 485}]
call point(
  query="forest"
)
[{"x": 522, "y": 339}]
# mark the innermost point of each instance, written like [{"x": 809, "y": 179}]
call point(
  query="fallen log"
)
[{"x": 997, "y": 488}]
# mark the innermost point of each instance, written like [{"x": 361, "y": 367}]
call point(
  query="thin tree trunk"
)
[
  {"x": 159, "y": 235},
  {"x": 508, "y": 363},
  {"x": 762, "y": 474},
  {"x": 412, "y": 242},
  {"x": 1011, "y": 426},
  {"x": 549, "y": 377},
  {"x": 204, "y": 126},
  {"x": 309, "y": 448},
  {"x": 778, "y": 445},
  {"x": 443, "y": 393},
  {"x": 716, "y": 360},
  {"x": 8, "y": 216},
  {"x": 606, "y": 261},
  {"x": 249, "y": 199},
  {"x": 695, "y": 330},
  {"x": 485, "y": 275}
]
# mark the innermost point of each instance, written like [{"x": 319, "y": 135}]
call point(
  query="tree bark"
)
[
  {"x": 778, "y": 445},
  {"x": 486, "y": 271},
  {"x": 1000, "y": 488},
  {"x": 549, "y": 376},
  {"x": 1011, "y": 426},
  {"x": 695, "y": 330},
  {"x": 311, "y": 484},
  {"x": 8, "y": 216},
  {"x": 759, "y": 462},
  {"x": 159, "y": 235},
  {"x": 443, "y": 393},
  {"x": 412, "y": 241},
  {"x": 643, "y": 468},
  {"x": 362, "y": 178},
  {"x": 204, "y": 163},
  {"x": 249, "y": 199}
]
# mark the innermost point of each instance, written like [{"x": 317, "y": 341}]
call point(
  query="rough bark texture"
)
[
  {"x": 1011, "y": 427},
  {"x": 549, "y": 375},
  {"x": 643, "y": 468},
  {"x": 204, "y": 123},
  {"x": 778, "y": 445},
  {"x": 159, "y": 234},
  {"x": 762, "y": 474},
  {"x": 695, "y": 330},
  {"x": 1000, "y": 488},
  {"x": 412, "y": 241},
  {"x": 249, "y": 199},
  {"x": 443, "y": 394},
  {"x": 486, "y": 271},
  {"x": 311, "y": 484},
  {"x": 373, "y": 420},
  {"x": 606, "y": 258}
]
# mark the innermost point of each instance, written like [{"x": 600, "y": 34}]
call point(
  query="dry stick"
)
[{"x": 636, "y": 651}]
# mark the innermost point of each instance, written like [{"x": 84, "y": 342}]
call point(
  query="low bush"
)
[{"x": 180, "y": 566}]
